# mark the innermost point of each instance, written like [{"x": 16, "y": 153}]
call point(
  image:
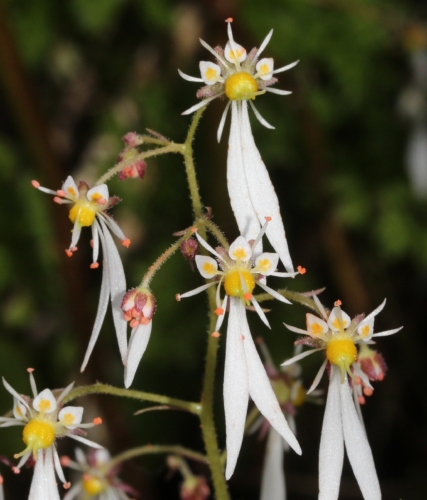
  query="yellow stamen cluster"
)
[
  {"x": 84, "y": 212},
  {"x": 92, "y": 484},
  {"x": 38, "y": 434},
  {"x": 241, "y": 86},
  {"x": 342, "y": 352},
  {"x": 233, "y": 283}
]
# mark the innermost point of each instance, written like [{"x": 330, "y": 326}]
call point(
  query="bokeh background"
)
[{"x": 348, "y": 158}]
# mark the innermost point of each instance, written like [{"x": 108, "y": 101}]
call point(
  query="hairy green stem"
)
[
  {"x": 216, "y": 231},
  {"x": 86, "y": 390},
  {"x": 294, "y": 296},
  {"x": 154, "y": 450}
]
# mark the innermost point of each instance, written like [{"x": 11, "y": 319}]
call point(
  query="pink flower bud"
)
[
  {"x": 138, "y": 306},
  {"x": 189, "y": 249},
  {"x": 195, "y": 488},
  {"x": 372, "y": 363},
  {"x": 132, "y": 140}
]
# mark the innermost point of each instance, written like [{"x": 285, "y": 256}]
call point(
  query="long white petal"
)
[
  {"x": 262, "y": 120},
  {"x": 358, "y": 449},
  {"x": 189, "y": 78},
  {"x": 273, "y": 476},
  {"x": 263, "y": 395},
  {"x": 117, "y": 282},
  {"x": 137, "y": 345},
  {"x": 261, "y": 191},
  {"x": 331, "y": 452},
  {"x": 240, "y": 199},
  {"x": 102, "y": 305},
  {"x": 43, "y": 485},
  {"x": 236, "y": 388},
  {"x": 222, "y": 122}
]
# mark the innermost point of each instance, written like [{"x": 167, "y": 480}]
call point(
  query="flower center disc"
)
[
  {"x": 38, "y": 434},
  {"x": 341, "y": 352},
  {"x": 83, "y": 212},
  {"x": 92, "y": 484},
  {"x": 240, "y": 86},
  {"x": 233, "y": 283}
]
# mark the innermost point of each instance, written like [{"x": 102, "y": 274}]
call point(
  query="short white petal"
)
[
  {"x": 266, "y": 263},
  {"x": 262, "y": 193},
  {"x": 236, "y": 388},
  {"x": 117, "y": 283},
  {"x": 45, "y": 401},
  {"x": 98, "y": 192},
  {"x": 70, "y": 416},
  {"x": 102, "y": 306},
  {"x": 273, "y": 475},
  {"x": 137, "y": 345},
  {"x": 315, "y": 325},
  {"x": 222, "y": 122},
  {"x": 331, "y": 452},
  {"x": 263, "y": 395},
  {"x": 211, "y": 72},
  {"x": 338, "y": 319},
  {"x": 262, "y": 120},
  {"x": 240, "y": 199},
  {"x": 318, "y": 377},
  {"x": 233, "y": 51},
  {"x": 265, "y": 68},
  {"x": 358, "y": 449},
  {"x": 207, "y": 266},
  {"x": 189, "y": 78},
  {"x": 240, "y": 249},
  {"x": 70, "y": 188},
  {"x": 200, "y": 105}
]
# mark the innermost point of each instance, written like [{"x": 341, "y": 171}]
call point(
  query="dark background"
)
[{"x": 77, "y": 75}]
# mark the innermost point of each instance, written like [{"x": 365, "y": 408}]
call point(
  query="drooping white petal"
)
[
  {"x": 301, "y": 356},
  {"x": 273, "y": 476},
  {"x": 264, "y": 43},
  {"x": 261, "y": 190},
  {"x": 240, "y": 250},
  {"x": 318, "y": 377},
  {"x": 98, "y": 194},
  {"x": 117, "y": 283},
  {"x": 190, "y": 78},
  {"x": 45, "y": 401},
  {"x": 240, "y": 198},
  {"x": 262, "y": 393},
  {"x": 265, "y": 68},
  {"x": 315, "y": 325},
  {"x": 95, "y": 241},
  {"x": 113, "y": 226},
  {"x": 262, "y": 120},
  {"x": 358, "y": 449},
  {"x": 207, "y": 266},
  {"x": 200, "y": 104},
  {"x": 70, "y": 416},
  {"x": 43, "y": 485},
  {"x": 211, "y": 72},
  {"x": 266, "y": 263},
  {"x": 236, "y": 388},
  {"x": 137, "y": 344},
  {"x": 222, "y": 121},
  {"x": 70, "y": 188},
  {"x": 102, "y": 305},
  {"x": 331, "y": 452}
]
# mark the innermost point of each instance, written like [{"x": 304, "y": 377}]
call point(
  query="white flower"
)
[
  {"x": 89, "y": 208},
  {"x": 44, "y": 419},
  {"x": 342, "y": 421},
  {"x": 99, "y": 477},
  {"x": 244, "y": 373},
  {"x": 242, "y": 77}
]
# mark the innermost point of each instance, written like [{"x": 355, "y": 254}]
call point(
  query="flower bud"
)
[
  {"x": 132, "y": 140},
  {"x": 194, "y": 488},
  {"x": 138, "y": 306},
  {"x": 189, "y": 249},
  {"x": 133, "y": 169},
  {"x": 372, "y": 363}
]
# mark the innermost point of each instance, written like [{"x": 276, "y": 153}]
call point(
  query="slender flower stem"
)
[
  {"x": 294, "y": 296},
  {"x": 154, "y": 450},
  {"x": 127, "y": 393},
  {"x": 171, "y": 148},
  {"x": 216, "y": 231}
]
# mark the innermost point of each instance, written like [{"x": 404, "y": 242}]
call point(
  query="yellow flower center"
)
[
  {"x": 233, "y": 283},
  {"x": 84, "y": 212},
  {"x": 92, "y": 484},
  {"x": 240, "y": 86},
  {"x": 342, "y": 352},
  {"x": 38, "y": 434},
  {"x": 281, "y": 390}
]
